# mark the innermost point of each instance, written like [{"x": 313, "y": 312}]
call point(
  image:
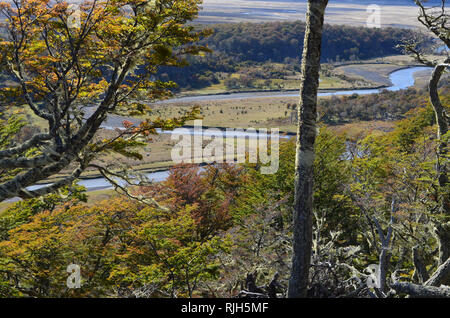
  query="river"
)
[{"x": 400, "y": 79}]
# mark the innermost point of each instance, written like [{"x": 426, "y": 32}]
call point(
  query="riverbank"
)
[
  {"x": 399, "y": 76},
  {"x": 243, "y": 111},
  {"x": 374, "y": 72},
  {"x": 92, "y": 181},
  {"x": 180, "y": 97}
]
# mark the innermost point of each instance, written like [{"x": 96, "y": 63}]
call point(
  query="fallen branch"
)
[
  {"x": 440, "y": 275},
  {"x": 246, "y": 294},
  {"x": 421, "y": 290}
]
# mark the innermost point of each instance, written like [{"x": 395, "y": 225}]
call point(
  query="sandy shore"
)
[{"x": 223, "y": 11}]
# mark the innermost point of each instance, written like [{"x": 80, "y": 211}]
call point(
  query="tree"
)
[
  {"x": 9, "y": 127},
  {"x": 211, "y": 190},
  {"x": 51, "y": 233},
  {"x": 123, "y": 247},
  {"x": 435, "y": 19},
  {"x": 162, "y": 256},
  {"x": 102, "y": 54},
  {"x": 306, "y": 136}
]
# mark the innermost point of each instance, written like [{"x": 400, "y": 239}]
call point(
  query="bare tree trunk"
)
[
  {"x": 422, "y": 291},
  {"x": 440, "y": 275},
  {"x": 384, "y": 257},
  {"x": 386, "y": 243},
  {"x": 419, "y": 265},
  {"x": 435, "y": 19},
  {"x": 442, "y": 230},
  {"x": 442, "y": 121},
  {"x": 306, "y": 137},
  {"x": 433, "y": 287}
]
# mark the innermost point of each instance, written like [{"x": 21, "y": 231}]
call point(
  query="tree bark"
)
[
  {"x": 442, "y": 122},
  {"x": 419, "y": 265},
  {"x": 306, "y": 136},
  {"x": 442, "y": 230},
  {"x": 436, "y": 22},
  {"x": 440, "y": 276}
]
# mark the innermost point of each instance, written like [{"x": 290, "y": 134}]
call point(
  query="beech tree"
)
[
  {"x": 435, "y": 19},
  {"x": 306, "y": 136},
  {"x": 75, "y": 65}
]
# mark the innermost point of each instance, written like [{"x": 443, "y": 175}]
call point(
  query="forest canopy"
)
[{"x": 242, "y": 44}]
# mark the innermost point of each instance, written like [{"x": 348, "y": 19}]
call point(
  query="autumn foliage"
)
[{"x": 73, "y": 65}]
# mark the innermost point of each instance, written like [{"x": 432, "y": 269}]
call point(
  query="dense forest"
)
[
  {"x": 237, "y": 45},
  {"x": 386, "y": 105},
  {"x": 276, "y": 41},
  {"x": 227, "y": 227}
]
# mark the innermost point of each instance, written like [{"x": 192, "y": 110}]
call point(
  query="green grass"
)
[
  {"x": 245, "y": 113},
  {"x": 381, "y": 67}
]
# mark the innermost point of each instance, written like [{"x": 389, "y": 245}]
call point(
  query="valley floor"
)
[
  {"x": 256, "y": 113},
  {"x": 338, "y": 12}
]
